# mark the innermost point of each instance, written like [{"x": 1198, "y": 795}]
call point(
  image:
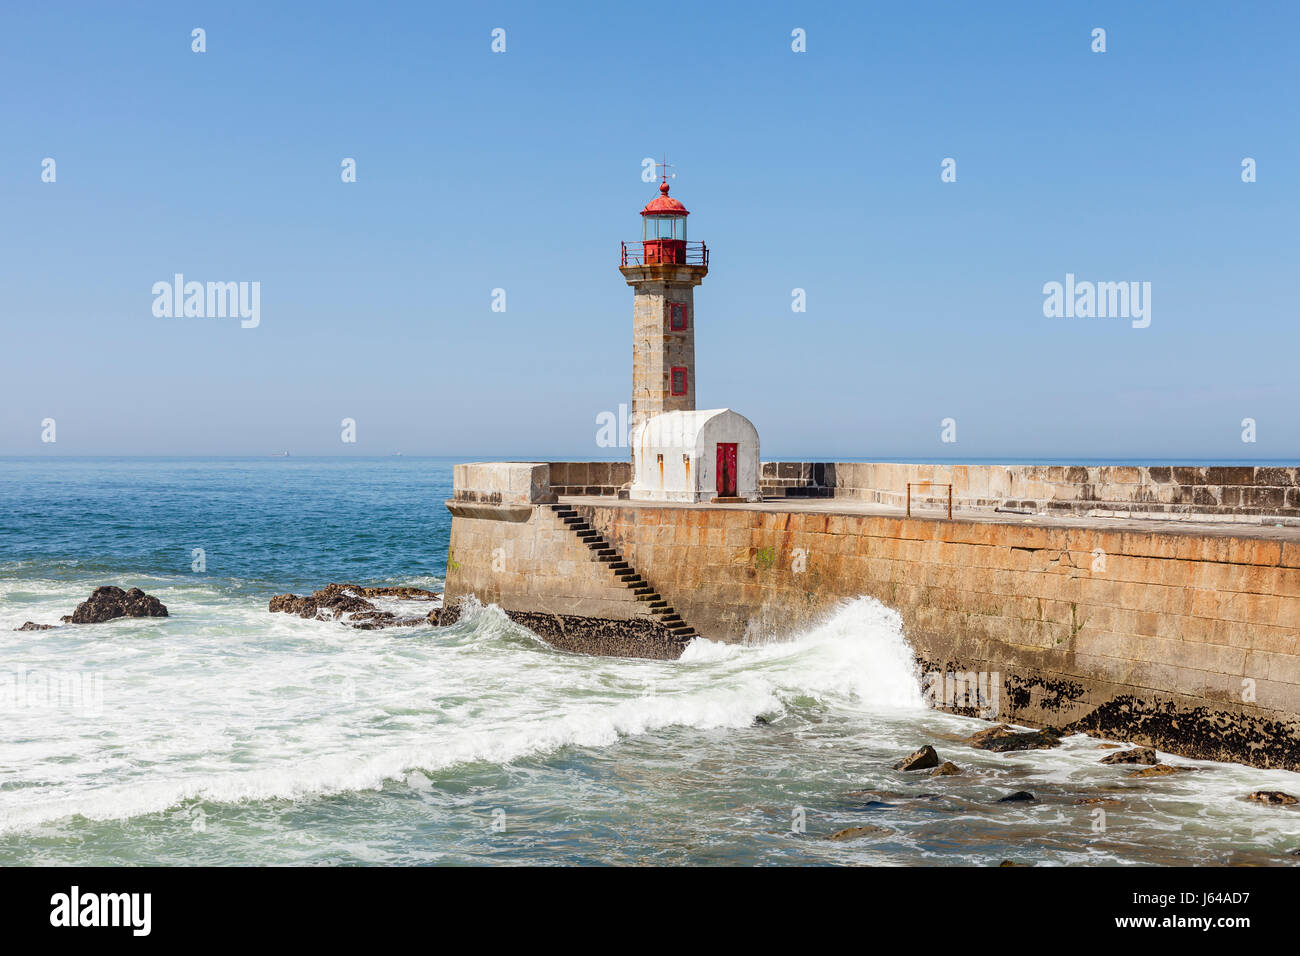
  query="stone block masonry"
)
[
  {"x": 539, "y": 570},
  {"x": 657, "y": 346},
  {"x": 590, "y": 477},
  {"x": 1183, "y": 641},
  {"x": 1231, "y": 493},
  {"x": 1174, "y": 635}
]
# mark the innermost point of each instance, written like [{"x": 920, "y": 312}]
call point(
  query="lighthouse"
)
[
  {"x": 663, "y": 269},
  {"x": 678, "y": 452}
]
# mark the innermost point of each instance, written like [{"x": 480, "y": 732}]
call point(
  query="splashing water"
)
[{"x": 226, "y": 734}]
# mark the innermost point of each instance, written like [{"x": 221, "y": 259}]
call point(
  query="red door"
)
[{"x": 727, "y": 469}]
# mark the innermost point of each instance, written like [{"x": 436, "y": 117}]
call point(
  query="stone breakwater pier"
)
[{"x": 1157, "y": 605}]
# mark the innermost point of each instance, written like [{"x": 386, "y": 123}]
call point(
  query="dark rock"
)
[
  {"x": 1002, "y": 739},
  {"x": 632, "y": 637},
  {"x": 1275, "y": 797},
  {"x": 32, "y": 626},
  {"x": 364, "y": 620},
  {"x": 401, "y": 593},
  {"x": 946, "y": 769},
  {"x": 1009, "y": 863},
  {"x": 852, "y": 833},
  {"x": 1208, "y": 732},
  {"x": 376, "y": 620},
  {"x": 923, "y": 759},
  {"x": 292, "y": 604},
  {"x": 334, "y": 601},
  {"x": 1020, "y": 796},
  {"x": 761, "y": 721},
  {"x": 1136, "y": 755},
  {"x": 976, "y": 739},
  {"x": 346, "y": 604},
  {"x": 108, "y": 602}
]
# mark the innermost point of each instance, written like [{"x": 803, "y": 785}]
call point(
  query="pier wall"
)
[
  {"x": 509, "y": 548},
  {"x": 1188, "y": 640},
  {"x": 1229, "y": 492}
]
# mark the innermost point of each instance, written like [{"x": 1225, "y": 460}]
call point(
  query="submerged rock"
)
[
  {"x": 923, "y": 759},
  {"x": 348, "y": 602},
  {"x": 878, "y": 797},
  {"x": 109, "y": 602},
  {"x": 1098, "y": 801},
  {"x": 373, "y": 620},
  {"x": 1275, "y": 797},
  {"x": 1136, "y": 755},
  {"x": 33, "y": 626},
  {"x": 946, "y": 769},
  {"x": 1158, "y": 770},
  {"x": 1020, "y": 796},
  {"x": 852, "y": 833},
  {"x": 1002, "y": 739}
]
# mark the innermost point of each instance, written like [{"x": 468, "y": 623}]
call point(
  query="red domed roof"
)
[{"x": 664, "y": 205}]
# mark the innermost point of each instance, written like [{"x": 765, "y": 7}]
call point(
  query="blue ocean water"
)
[
  {"x": 224, "y": 734},
  {"x": 273, "y": 524}
]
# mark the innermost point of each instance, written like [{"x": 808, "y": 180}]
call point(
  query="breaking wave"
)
[{"x": 232, "y": 704}]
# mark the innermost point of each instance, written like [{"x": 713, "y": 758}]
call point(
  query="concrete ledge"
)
[
  {"x": 664, "y": 272},
  {"x": 503, "y": 482},
  {"x": 488, "y": 511}
]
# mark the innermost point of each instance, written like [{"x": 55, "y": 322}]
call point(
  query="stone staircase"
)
[{"x": 627, "y": 575}]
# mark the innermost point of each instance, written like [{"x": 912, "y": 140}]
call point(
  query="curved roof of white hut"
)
[{"x": 685, "y": 429}]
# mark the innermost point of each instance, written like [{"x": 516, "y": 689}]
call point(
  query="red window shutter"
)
[
  {"x": 679, "y": 386},
  {"x": 677, "y": 317}
]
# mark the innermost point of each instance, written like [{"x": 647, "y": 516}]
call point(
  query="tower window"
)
[
  {"x": 679, "y": 380},
  {"x": 677, "y": 316}
]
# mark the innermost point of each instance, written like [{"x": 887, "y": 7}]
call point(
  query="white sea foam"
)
[
  {"x": 228, "y": 703},
  {"x": 225, "y": 703}
]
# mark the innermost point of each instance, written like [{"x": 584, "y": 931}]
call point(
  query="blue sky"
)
[{"x": 816, "y": 170}]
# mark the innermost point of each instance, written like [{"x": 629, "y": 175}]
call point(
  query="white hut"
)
[{"x": 695, "y": 456}]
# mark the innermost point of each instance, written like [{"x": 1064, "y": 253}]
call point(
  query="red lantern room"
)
[
  {"x": 663, "y": 229},
  {"x": 663, "y": 235}
]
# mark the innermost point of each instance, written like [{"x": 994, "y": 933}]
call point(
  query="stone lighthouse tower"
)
[
  {"x": 679, "y": 453},
  {"x": 663, "y": 269}
]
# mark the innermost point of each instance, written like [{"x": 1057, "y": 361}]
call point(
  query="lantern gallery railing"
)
[{"x": 649, "y": 252}]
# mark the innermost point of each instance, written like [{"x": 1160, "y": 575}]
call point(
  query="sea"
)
[{"x": 224, "y": 734}]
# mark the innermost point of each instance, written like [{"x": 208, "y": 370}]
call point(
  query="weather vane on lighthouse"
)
[{"x": 665, "y": 166}]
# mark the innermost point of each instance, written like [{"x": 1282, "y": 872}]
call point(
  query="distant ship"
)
[{"x": 283, "y": 454}]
